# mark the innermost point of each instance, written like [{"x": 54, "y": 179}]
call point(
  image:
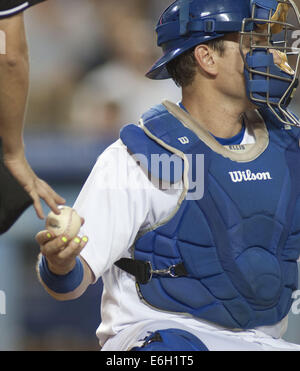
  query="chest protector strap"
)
[{"x": 143, "y": 271}]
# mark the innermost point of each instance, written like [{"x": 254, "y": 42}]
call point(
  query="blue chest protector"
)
[{"x": 231, "y": 256}]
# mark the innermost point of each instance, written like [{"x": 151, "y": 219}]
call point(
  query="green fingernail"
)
[
  {"x": 48, "y": 235},
  {"x": 64, "y": 239},
  {"x": 84, "y": 239},
  {"x": 77, "y": 240}
]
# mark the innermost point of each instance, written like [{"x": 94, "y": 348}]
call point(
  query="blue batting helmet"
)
[{"x": 187, "y": 23}]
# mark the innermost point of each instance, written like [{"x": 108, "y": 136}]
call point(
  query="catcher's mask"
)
[{"x": 272, "y": 63}]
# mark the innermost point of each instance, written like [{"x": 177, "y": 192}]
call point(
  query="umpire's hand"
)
[{"x": 34, "y": 186}]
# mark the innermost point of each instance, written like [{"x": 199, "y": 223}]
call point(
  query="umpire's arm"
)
[
  {"x": 14, "y": 74},
  {"x": 62, "y": 272},
  {"x": 14, "y": 82},
  {"x": 14, "y": 87}
]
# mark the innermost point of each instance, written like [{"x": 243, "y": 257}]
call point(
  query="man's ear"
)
[{"x": 206, "y": 59}]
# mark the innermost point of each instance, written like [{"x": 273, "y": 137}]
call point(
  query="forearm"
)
[
  {"x": 14, "y": 85},
  {"x": 86, "y": 280}
]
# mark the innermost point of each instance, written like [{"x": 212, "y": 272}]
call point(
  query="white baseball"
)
[{"x": 67, "y": 223}]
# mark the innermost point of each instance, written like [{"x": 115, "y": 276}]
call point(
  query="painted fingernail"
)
[
  {"x": 64, "y": 239},
  {"x": 77, "y": 240},
  {"x": 84, "y": 239},
  {"x": 48, "y": 235}
]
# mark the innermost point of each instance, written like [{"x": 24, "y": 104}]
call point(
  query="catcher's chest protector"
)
[{"x": 239, "y": 243}]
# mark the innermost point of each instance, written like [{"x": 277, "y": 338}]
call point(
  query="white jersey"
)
[{"x": 117, "y": 202}]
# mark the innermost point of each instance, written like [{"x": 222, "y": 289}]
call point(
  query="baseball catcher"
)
[{"x": 202, "y": 256}]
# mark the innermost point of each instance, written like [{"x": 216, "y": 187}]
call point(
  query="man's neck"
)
[{"x": 221, "y": 118}]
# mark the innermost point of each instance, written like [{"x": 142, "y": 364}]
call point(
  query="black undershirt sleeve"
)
[
  {"x": 14, "y": 200},
  {"x": 9, "y": 8}
]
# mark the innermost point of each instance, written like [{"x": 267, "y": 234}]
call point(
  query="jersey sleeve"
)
[
  {"x": 9, "y": 8},
  {"x": 114, "y": 203}
]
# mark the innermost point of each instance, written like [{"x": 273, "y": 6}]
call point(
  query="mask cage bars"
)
[{"x": 287, "y": 118}]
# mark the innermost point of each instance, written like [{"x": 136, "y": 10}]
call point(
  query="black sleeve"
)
[
  {"x": 14, "y": 200},
  {"x": 9, "y": 8}
]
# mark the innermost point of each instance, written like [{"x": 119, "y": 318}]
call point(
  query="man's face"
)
[
  {"x": 231, "y": 80},
  {"x": 231, "y": 66}
]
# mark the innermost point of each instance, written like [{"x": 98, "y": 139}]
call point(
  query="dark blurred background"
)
[{"x": 88, "y": 60}]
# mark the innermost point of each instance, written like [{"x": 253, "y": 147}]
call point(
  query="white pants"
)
[{"x": 214, "y": 339}]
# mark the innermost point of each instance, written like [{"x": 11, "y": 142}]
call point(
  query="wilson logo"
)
[
  {"x": 184, "y": 140},
  {"x": 247, "y": 176}
]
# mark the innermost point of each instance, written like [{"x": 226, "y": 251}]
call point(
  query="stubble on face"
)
[{"x": 232, "y": 77}]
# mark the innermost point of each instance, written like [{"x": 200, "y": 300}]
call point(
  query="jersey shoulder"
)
[{"x": 116, "y": 168}]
